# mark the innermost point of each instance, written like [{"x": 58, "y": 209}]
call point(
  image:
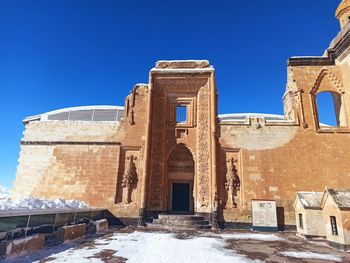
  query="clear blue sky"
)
[{"x": 61, "y": 53}]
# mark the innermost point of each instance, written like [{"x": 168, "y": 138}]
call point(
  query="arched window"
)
[
  {"x": 328, "y": 101},
  {"x": 328, "y": 108}
]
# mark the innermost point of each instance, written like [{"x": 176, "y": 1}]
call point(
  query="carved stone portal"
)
[
  {"x": 232, "y": 184},
  {"x": 130, "y": 179}
]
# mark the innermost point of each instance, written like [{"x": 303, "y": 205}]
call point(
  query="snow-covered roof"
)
[
  {"x": 184, "y": 61},
  {"x": 342, "y": 33},
  {"x": 82, "y": 113},
  {"x": 242, "y": 116},
  {"x": 310, "y": 199},
  {"x": 183, "y": 66},
  {"x": 340, "y": 197}
]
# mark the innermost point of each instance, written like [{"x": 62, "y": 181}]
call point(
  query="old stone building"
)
[{"x": 169, "y": 151}]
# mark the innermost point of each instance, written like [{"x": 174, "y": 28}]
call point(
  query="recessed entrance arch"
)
[{"x": 180, "y": 180}]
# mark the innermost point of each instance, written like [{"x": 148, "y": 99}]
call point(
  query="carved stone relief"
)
[
  {"x": 292, "y": 97},
  {"x": 336, "y": 84},
  {"x": 231, "y": 179},
  {"x": 232, "y": 183},
  {"x": 203, "y": 146},
  {"x": 130, "y": 179}
]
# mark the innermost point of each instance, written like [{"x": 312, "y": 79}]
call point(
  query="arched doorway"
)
[{"x": 180, "y": 180}]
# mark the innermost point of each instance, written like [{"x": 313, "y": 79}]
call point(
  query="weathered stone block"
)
[
  {"x": 21, "y": 246},
  {"x": 182, "y": 64},
  {"x": 97, "y": 226},
  {"x": 67, "y": 233}
]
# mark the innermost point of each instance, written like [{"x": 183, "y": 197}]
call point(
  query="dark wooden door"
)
[{"x": 181, "y": 197}]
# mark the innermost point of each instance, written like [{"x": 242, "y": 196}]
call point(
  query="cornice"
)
[{"x": 329, "y": 60}]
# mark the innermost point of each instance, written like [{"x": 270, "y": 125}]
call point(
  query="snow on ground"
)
[
  {"x": 157, "y": 247},
  {"x": 4, "y": 192},
  {"x": 139, "y": 246},
  {"x": 245, "y": 236},
  {"x": 311, "y": 255}
]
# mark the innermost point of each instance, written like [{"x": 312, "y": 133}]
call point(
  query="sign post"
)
[{"x": 264, "y": 215}]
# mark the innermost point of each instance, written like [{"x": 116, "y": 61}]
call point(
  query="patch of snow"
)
[
  {"x": 30, "y": 203},
  {"x": 183, "y": 70},
  {"x": 340, "y": 197},
  {"x": 234, "y": 116},
  {"x": 159, "y": 247},
  {"x": 4, "y": 192},
  {"x": 310, "y": 199},
  {"x": 311, "y": 255},
  {"x": 261, "y": 237},
  {"x": 306, "y": 57},
  {"x": 184, "y": 60}
]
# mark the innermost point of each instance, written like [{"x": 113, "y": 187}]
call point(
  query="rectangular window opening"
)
[
  {"x": 181, "y": 114},
  {"x": 301, "y": 223},
  {"x": 334, "y": 226}
]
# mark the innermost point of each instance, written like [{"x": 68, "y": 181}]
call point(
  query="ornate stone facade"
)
[{"x": 172, "y": 153}]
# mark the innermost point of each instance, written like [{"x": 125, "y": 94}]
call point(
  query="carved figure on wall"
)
[
  {"x": 233, "y": 183},
  {"x": 130, "y": 179},
  {"x": 131, "y": 117}
]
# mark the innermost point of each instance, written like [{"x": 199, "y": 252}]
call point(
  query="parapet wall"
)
[{"x": 71, "y": 131}]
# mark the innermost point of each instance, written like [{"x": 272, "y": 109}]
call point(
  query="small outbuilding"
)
[
  {"x": 336, "y": 216},
  {"x": 308, "y": 214}
]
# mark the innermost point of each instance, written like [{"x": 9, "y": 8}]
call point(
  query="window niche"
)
[
  {"x": 334, "y": 227},
  {"x": 301, "y": 221},
  {"x": 329, "y": 110},
  {"x": 327, "y": 98},
  {"x": 181, "y": 114}
]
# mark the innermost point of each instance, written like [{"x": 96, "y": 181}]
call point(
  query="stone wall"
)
[
  {"x": 277, "y": 162},
  {"x": 86, "y": 160},
  {"x": 74, "y": 160},
  {"x": 122, "y": 166}
]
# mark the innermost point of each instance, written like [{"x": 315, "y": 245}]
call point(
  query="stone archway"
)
[{"x": 180, "y": 171}]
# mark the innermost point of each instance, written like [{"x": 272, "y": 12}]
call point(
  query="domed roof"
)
[{"x": 343, "y": 5}]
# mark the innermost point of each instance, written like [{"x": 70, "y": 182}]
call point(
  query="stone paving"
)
[{"x": 145, "y": 245}]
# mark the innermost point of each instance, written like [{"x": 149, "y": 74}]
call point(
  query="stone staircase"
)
[{"x": 183, "y": 222}]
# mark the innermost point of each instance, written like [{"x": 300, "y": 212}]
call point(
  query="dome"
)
[{"x": 343, "y": 5}]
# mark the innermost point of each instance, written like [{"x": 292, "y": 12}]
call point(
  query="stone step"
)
[
  {"x": 180, "y": 217},
  {"x": 177, "y": 227},
  {"x": 183, "y": 222},
  {"x": 180, "y": 222}
]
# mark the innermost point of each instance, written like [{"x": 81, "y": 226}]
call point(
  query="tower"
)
[
  {"x": 182, "y": 138},
  {"x": 343, "y": 13}
]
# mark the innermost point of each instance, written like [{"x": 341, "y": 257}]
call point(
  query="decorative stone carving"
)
[
  {"x": 130, "y": 102},
  {"x": 181, "y": 160},
  {"x": 131, "y": 117},
  {"x": 203, "y": 146},
  {"x": 158, "y": 153},
  {"x": 331, "y": 77},
  {"x": 291, "y": 82},
  {"x": 233, "y": 183},
  {"x": 291, "y": 97},
  {"x": 130, "y": 179}
]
